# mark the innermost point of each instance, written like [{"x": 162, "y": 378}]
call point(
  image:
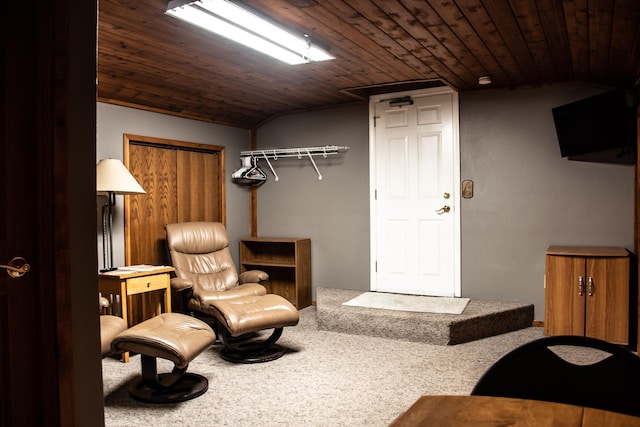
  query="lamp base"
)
[{"x": 106, "y": 270}]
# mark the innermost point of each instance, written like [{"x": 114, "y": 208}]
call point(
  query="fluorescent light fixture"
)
[{"x": 240, "y": 25}]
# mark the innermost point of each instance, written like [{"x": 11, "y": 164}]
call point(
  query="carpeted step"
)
[{"x": 480, "y": 319}]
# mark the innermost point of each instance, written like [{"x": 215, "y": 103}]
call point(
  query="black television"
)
[{"x": 601, "y": 128}]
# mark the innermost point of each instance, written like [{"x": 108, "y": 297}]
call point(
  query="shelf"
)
[
  {"x": 287, "y": 261},
  {"x": 258, "y": 263}
]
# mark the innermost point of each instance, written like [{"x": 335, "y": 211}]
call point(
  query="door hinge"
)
[{"x": 375, "y": 121}]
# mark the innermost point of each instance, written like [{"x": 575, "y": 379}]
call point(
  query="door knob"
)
[
  {"x": 444, "y": 209},
  {"x": 17, "y": 267}
]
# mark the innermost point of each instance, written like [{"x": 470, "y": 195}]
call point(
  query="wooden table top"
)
[
  {"x": 136, "y": 271},
  {"x": 450, "y": 411}
]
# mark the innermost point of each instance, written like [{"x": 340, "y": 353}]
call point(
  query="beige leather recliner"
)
[
  {"x": 205, "y": 271},
  {"x": 110, "y": 327},
  {"x": 174, "y": 337},
  {"x": 207, "y": 285}
]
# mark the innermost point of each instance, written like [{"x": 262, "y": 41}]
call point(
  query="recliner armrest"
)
[
  {"x": 104, "y": 303},
  {"x": 179, "y": 284},
  {"x": 252, "y": 276},
  {"x": 182, "y": 292}
]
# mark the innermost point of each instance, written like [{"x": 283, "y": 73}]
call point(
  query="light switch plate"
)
[{"x": 467, "y": 189}]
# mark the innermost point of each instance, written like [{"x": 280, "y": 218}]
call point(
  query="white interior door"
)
[{"x": 414, "y": 193}]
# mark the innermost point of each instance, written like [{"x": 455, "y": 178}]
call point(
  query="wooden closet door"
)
[
  {"x": 199, "y": 192},
  {"x": 184, "y": 181},
  {"x": 155, "y": 169}
]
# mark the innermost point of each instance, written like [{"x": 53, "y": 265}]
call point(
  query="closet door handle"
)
[
  {"x": 580, "y": 286},
  {"x": 591, "y": 286}
]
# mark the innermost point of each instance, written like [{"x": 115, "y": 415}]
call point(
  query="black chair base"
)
[
  {"x": 257, "y": 356},
  {"x": 189, "y": 386},
  {"x": 236, "y": 350},
  {"x": 171, "y": 387}
]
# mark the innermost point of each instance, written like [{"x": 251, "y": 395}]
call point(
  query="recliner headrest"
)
[{"x": 197, "y": 237}]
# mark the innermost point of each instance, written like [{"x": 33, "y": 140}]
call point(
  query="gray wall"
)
[
  {"x": 114, "y": 121},
  {"x": 526, "y": 196},
  {"x": 332, "y": 212}
]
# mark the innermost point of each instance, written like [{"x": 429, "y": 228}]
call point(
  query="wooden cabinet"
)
[
  {"x": 288, "y": 263},
  {"x": 587, "y": 292}
]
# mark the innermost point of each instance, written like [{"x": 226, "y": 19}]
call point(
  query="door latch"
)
[
  {"x": 444, "y": 209},
  {"x": 17, "y": 267}
]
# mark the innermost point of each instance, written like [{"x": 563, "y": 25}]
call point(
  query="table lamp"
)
[{"x": 112, "y": 177}]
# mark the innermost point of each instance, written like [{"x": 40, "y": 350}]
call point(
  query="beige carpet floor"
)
[
  {"x": 324, "y": 379},
  {"x": 480, "y": 319},
  {"x": 413, "y": 303}
]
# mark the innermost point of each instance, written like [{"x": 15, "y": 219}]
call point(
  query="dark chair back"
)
[{"x": 534, "y": 371}]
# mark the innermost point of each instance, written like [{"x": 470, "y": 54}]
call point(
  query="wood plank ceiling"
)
[{"x": 149, "y": 60}]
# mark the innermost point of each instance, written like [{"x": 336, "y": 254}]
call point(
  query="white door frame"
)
[{"x": 456, "y": 179}]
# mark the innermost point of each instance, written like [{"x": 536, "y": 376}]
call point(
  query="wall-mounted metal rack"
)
[{"x": 250, "y": 172}]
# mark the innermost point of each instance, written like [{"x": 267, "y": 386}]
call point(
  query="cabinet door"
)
[
  {"x": 607, "y": 315},
  {"x": 564, "y": 295}
]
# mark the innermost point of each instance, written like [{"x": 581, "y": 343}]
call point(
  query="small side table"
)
[{"x": 120, "y": 285}]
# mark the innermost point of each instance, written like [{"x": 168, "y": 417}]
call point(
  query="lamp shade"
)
[{"x": 113, "y": 177}]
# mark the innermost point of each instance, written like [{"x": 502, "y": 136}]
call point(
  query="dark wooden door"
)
[
  {"x": 26, "y": 380},
  {"x": 44, "y": 116}
]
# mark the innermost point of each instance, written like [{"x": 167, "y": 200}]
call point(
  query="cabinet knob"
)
[{"x": 591, "y": 286}]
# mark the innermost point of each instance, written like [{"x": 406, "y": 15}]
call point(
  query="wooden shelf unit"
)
[{"x": 286, "y": 260}]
